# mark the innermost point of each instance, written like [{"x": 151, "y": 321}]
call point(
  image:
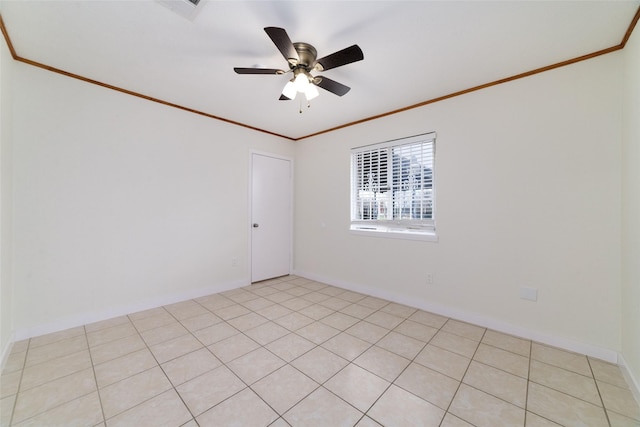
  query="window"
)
[{"x": 392, "y": 188}]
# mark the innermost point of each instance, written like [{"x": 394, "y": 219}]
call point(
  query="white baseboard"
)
[
  {"x": 632, "y": 381},
  {"x": 92, "y": 317},
  {"x": 475, "y": 318}
]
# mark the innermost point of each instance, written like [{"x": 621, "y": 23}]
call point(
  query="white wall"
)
[
  {"x": 528, "y": 194},
  {"x": 6, "y": 204},
  {"x": 631, "y": 210},
  {"x": 121, "y": 203}
]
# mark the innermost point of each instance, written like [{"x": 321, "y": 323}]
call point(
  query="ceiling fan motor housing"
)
[{"x": 306, "y": 56}]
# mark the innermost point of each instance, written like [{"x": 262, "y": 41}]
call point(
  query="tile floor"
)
[{"x": 293, "y": 352}]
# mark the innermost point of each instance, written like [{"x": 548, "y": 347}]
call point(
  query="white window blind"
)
[{"x": 392, "y": 186}]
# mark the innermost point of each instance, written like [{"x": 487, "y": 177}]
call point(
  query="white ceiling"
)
[{"x": 414, "y": 51}]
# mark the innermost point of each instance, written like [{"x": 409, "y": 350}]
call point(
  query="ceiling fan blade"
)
[
  {"x": 240, "y": 70},
  {"x": 282, "y": 41},
  {"x": 332, "y": 86},
  {"x": 339, "y": 58},
  {"x": 284, "y": 98}
]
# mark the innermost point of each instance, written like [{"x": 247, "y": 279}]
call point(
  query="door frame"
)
[{"x": 250, "y": 205}]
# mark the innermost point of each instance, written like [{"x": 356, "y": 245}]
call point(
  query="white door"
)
[{"x": 271, "y": 215}]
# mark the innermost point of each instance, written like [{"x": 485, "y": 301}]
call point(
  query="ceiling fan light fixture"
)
[
  {"x": 311, "y": 92},
  {"x": 290, "y": 90},
  {"x": 301, "y": 82}
]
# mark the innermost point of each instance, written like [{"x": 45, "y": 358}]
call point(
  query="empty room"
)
[{"x": 320, "y": 213}]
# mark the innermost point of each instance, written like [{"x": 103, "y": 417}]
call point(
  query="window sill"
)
[{"x": 425, "y": 236}]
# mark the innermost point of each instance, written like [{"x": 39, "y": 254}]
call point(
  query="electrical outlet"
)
[{"x": 429, "y": 279}]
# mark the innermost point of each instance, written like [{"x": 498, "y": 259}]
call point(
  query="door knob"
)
[{"x": 255, "y": 225}]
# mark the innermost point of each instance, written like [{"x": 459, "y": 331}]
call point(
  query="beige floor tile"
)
[
  {"x": 428, "y": 384},
  {"x": 114, "y": 349},
  {"x": 56, "y": 349},
  {"x": 247, "y": 321},
  {"x": 267, "y": 332},
  {"x": 464, "y": 329},
  {"x": 80, "y": 412},
  {"x": 533, "y": 420},
  {"x": 335, "y": 303},
  {"x": 233, "y": 347},
  {"x": 453, "y": 421},
  {"x": 279, "y": 297},
  {"x": 498, "y": 383},
  {"x": 166, "y": 409},
  {"x": 322, "y": 409},
  {"x": 400, "y": 344},
  {"x": 384, "y": 320},
  {"x": 214, "y": 302},
  {"x": 399, "y": 408},
  {"x": 346, "y": 346},
  {"x": 484, "y": 410},
  {"x": 563, "y": 409},
  {"x": 339, "y": 320},
  {"x": 367, "y": 422},
  {"x": 52, "y": 394},
  {"x": 443, "y": 361},
  {"x": 502, "y": 359},
  {"x": 507, "y": 342},
  {"x": 358, "y": 311},
  {"x": 563, "y": 359},
  {"x": 416, "y": 330},
  {"x": 240, "y": 297},
  {"x": 455, "y": 343},
  {"x": 200, "y": 322},
  {"x": 367, "y": 331},
  {"x": 620, "y": 400},
  {"x": 317, "y": 312},
  {"x": 231, "y": 312},
  {"x": 357, "y": 386},
  {"x": 257, "y": 304},
  {"x": 429, "y": 319},
  {"x": 164, "y": 333},
  {"x": 565, "y": 381},
  {"x": 243, "y": 409},
  {"x": 382, "y": 362},
  {"x": 214, "y": 333},
  {"x": 55, "y": 337},
  {"x": 161, "y": 318},
  {"x": 274, "y": 312},
  {"x": 319, "y": 364},
  {"x": 284, "y": 388},
  {"x": 373, "y": 302},
  {"x": 123, "y": 367},
  {"x": 204, "y": 392},
  {"x": 176, "y": 347},
  {"x": 290, "y": 347},
  {"x": 186, "y": 309},
  {"x": 41, "y": 373},
  {"x": 352, "y": 296},
  {"x": 331, "y": 290},
  {"x": 296, "y": 304},
  {"x": 294, "y": 321},
  {"x": 189, "y": 366},
  {"x": 114, "y": 333},
  {"x": 317, "y": 332},
  {"x": 139, "y": 315},
  {"x": 607, "y": 372},
  {"x": 15, "y": 361},
  {"x": 399, "y": 310},
  {"x": 9, "y": 383},
  {"x": 315, "y": 297},
  {"x": 300, "y": 291},
  {"x": 105, "y": 324},
  {"x": 255, "y": 365},
  {"x": 126, "y": 394},
  {"x": 6, "y": 409},
  {"x": 618, "y": 420}
]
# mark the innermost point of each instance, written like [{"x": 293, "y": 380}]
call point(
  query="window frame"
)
[{"x": 412, "y": 229}]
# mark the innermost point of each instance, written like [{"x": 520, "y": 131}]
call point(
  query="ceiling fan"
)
[{"x": 301, "y": 58}]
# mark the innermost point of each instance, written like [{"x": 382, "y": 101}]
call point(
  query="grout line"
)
[
  {"x": 95, "y": 377},
  {"x": 606, "y": 414}
]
